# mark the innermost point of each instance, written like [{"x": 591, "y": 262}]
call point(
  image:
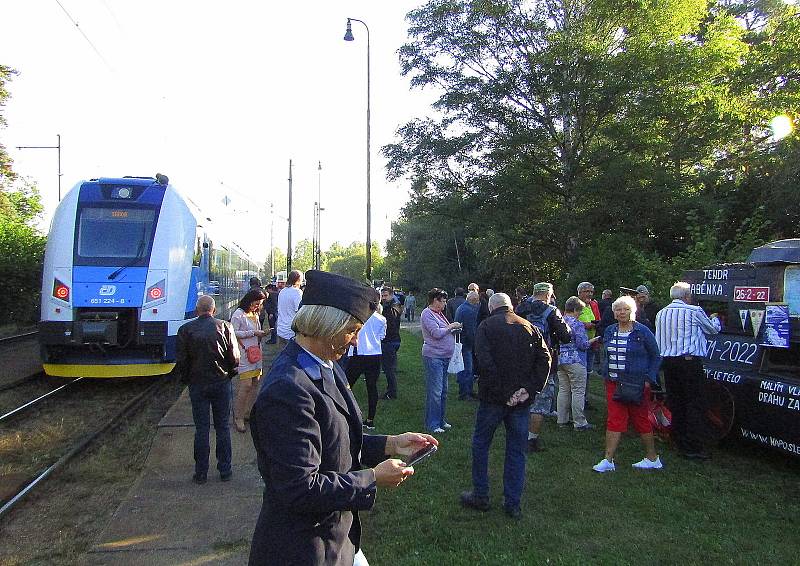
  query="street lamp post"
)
[
  {"x": 348, "y": 36},
  {"x": 314, "y": 237},
  {"x": 58, "y": 147},
  {"x": 289, "y": 245}
]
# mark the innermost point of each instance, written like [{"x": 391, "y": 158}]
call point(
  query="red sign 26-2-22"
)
[{"x": 751, "y": 294}]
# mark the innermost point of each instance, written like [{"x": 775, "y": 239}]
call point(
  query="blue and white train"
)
[{"x": 126, "y": 259}]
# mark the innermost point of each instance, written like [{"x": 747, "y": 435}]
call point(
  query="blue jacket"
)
[
  {"x": 314, "y": 460},
  {"x": 642, "y": 357},
  {"x": 467, "y": 315}
]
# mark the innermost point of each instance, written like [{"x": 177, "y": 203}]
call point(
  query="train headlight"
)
[
  {"x": 156, "y": 292},
  {"x": 121, "y": 192},
  {"x": 60, "y": 291}
]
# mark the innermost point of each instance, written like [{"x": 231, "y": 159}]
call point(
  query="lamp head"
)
[{"x": 348, "y": 35}]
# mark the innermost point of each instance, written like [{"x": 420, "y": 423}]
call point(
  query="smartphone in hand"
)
[{"x": 420, "y": 455}]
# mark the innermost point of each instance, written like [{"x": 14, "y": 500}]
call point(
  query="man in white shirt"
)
[
  {"x": 681, "y": 330},
  {"x": 288, "y": 304}
]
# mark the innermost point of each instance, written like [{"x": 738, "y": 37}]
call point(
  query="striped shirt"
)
[
  {"x": 681, "y": 330},
  {"x": 617, "y": 349}
]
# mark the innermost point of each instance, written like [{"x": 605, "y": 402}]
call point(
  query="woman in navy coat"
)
[{"x": 319, "y": 469}]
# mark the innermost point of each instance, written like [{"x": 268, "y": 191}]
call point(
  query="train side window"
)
[
  {"x": 198, "y": 252},
  {"x": 791, "y": 289}
]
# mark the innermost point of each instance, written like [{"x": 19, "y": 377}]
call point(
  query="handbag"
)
[
  {"x": 629, "y": 391},
  {"x": 456, "y": 364},
  {"x": 253, "y": 354}
]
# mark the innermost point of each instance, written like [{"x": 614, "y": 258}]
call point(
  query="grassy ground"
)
[
  {"x": 739, "y": 508},
  {"x": 59, "y": 522}
]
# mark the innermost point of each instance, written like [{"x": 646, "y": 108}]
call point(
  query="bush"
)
[{"x": 21, "y": 255}]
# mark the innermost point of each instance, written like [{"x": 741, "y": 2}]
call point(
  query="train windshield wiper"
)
[{"x": 134, "y": 261}]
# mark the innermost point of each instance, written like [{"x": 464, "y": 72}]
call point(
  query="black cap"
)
[{"x": 343, "y": 293}]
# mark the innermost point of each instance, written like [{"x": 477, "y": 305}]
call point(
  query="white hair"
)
[
  {"x": 473, "y": 297},
  {"x": 680, "y": 290},
  {"x": 626, "y": 300},
  {"x": 499, "y": 300},
  {"x": 584, "y": 285}
]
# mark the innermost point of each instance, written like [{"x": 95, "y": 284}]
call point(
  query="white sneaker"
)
[
  {"x": 447, "y": 426},
  {"x": 647, "y": 464},
  {"x": 604, "y": 466},
  {"x": 438, "y": 431}
]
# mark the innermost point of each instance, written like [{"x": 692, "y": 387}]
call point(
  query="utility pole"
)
[
  {"x": 318, "y": 250},
  {"x": 314, "y": 237},
  {"x": 289, "y": 246},
  {"x": 271, "y": 240}
]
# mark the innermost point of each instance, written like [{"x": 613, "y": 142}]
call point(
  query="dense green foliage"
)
[
  {"x": 576, "y": 139},
  {"x": 345, "y": 260},
  {"x": 21, "y": 245}
]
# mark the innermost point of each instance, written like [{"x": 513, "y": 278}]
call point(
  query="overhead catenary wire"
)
[{"x": 86, "y": 37}]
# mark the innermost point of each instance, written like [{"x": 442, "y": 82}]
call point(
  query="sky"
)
[{"x": 219, "y": 97}]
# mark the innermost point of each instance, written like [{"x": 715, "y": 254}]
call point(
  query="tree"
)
[
  {"x": 561, "y": 121},
  {"x": 351, "y": 261},
  {"x": 279, "y": 262},
  {"x": 6, "y": 172},
  {"x": 303, "y": 255},
  {"x": 21, "y": 244}
]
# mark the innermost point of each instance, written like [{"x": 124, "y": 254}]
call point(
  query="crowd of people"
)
[{"x": 529, "y": 361}]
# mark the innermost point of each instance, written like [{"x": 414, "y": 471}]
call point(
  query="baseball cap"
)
[{"x": 643, "y": 290}]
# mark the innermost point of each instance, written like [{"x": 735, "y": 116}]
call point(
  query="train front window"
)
[{"x": 114, "y": 234}]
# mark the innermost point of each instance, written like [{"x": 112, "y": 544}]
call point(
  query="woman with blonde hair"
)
[
  {"x": 319, "y": 469},
  {"x": 632, "y": 360},
  {"x": 247, "y": 325}
]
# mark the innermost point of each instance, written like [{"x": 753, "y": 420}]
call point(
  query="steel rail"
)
[
  {"x": 21, "y": 408},
  {"x": 79, "y": 447},
  {"x": 18, "y": 337}
]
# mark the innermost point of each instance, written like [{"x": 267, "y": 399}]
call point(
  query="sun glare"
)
[{"x": 781, "y": 126}]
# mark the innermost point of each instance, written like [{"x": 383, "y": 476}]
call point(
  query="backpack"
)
[{"x": 540, "y": 322}]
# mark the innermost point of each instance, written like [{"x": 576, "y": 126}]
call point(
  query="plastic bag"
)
[{"x": 456, "y": 360}]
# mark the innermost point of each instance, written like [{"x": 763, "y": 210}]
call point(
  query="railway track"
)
[
  {"x": 57, "y": 433},
  {"x": 19, "y": 337},
  {"x": 30, "y": 404}
]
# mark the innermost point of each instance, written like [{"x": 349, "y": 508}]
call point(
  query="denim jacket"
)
[{"x": 642, "y": 358}]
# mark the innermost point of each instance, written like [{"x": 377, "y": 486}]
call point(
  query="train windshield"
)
[{"x": 114, "y": 234}]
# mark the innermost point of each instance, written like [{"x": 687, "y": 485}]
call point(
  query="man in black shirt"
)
[
  {"x": 207, "y": 357},
  {"x": 514, "y": 363},
  {"x": 453, "y": 304},
  {"x": 646, "y": 308},
  {"x": 392, "y": 311},
  {"x": 271, "y": 308}
]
